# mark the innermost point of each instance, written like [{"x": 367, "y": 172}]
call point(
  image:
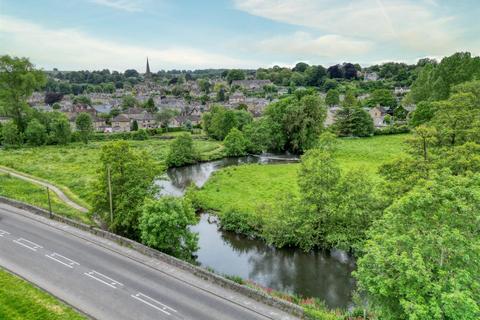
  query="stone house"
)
[
  {"x": 121, "y": 123},
  {"x": 378, "y": 114},
  {"x": 237, "y": 98}
]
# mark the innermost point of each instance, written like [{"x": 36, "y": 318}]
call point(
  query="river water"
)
[{"x": 325, "y": 275}]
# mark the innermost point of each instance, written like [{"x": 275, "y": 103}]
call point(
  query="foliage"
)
[
  {"x": 235, "y": 143},
  {"x": 353, "y": 121},
  {"x": 165, "y": 223},
  {"x": 82, "y": 100},
  {"x": 11, "y": 137},
  {"x": 181, "y": 151},
  {"x": 131, "y": 174},
  {"x": 36, "y": 133},
  {"x": 332, "y": 98},
  {"x": 140, "y": 135},
  {"x": 235, "y": 74},
  {"x": 18, "y": 80},
  {"x": 218, "y": 122},
  {"x": 84, "y": 126},
  {"x": 128, "y": 101},
  {"x": 295, "y": 123},
  {"x": 413, "y": 252},
  {"x": 59, "y": 129},
  {"x": 165, "y": 116},
  {"x": 257, "y": 134},
  {"x": 382, "y": 97},
  {"x": 423, "y": 113},
  {"x": 21, "y": 300}
]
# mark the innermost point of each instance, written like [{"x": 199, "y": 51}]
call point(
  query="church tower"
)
[{"x": 147, "y": 73}]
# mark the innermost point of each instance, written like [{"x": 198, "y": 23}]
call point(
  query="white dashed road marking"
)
[
  {"x": 153, "y": 303},
  {"x": 103, "y": 279},
  {"x": 28, "y": 244},
  {"x": 61, "y": 259},
  {"x": 3, "y": 233}
]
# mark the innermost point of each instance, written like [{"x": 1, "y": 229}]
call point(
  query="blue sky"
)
[{"x": 189, "y": 34}]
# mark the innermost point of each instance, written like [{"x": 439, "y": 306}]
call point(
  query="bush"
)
[
  {"x": 140, "y": 135},
  {"x": 182, "y": 151},
  {"x": 11, "y": 137},
  {"x": 36, "y": 134},
  {"x": 395, "y": 129},
  {"x": 235, "y": 143}
]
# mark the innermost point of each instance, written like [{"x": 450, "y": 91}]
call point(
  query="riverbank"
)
[
  {"x": 74, "y": 166},
  {"x": 250, "y": 188},
  {"x": 21, "y": 300}
]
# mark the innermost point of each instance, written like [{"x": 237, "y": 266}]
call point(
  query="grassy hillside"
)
[
  {"x": 247, "y": 187},
  {"x": 19, "y": 300}
]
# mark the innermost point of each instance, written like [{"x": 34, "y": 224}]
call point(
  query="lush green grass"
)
[
  {"x": 73, "y": 167},
  {"x": 33, "y": 194},
  {"x": 19, "y": 300},
  {"x": 247, "y": 187}
]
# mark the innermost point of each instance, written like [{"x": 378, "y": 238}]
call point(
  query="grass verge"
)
[
  {"x": 19, "y": 300},
  {"x": 36, "y": 195}
]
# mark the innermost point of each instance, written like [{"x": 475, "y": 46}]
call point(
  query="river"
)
[{"x": 325, "y": 275}]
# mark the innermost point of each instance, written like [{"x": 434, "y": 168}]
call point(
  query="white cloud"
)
[
  {"x": 124, "y": 5},
  {"x": 70, "y": 49},
  {"x": 407, "y": 23},
  {"x": 302, "y": 44}
]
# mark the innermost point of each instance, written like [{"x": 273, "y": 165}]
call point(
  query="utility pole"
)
[
  {"x": 49, "y": 202},
  {"x": 110, "y": 194}
]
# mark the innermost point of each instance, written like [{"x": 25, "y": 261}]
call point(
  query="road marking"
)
[
  {"x": 28, "y": 244},
  {"x": 153, "y": 303},
  {"x": 63, "y": 260},
  {"x": 103, "y": 279},
  {"x": 3, "y": 232}
]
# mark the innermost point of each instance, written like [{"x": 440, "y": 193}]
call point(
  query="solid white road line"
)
[
  {"x": 3, "y": 232},
  {"x": 61, "y": 259},
  {"x": 28, "y": 244},
  {"x": 153, "y": 303},
  {"x": 103, "y": 279}
]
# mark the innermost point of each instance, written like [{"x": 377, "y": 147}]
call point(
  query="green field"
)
[
  {"x": 19, "y": 300},
  {"x": 73, "y": 167},
  {"x": 247, "y": 187},
  {"x": 33, "y": 194}
]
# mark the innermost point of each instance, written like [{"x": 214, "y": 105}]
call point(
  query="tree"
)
[
  {"x": 235, "y": 143},
  {"x": 353, "y": 121},
  {"x": 235, "y": 74},
  {"x": 131, "y": 73},
  {"x": 332, "y": 98},
  {"x": 134, "y": 125},
  {"x": 181, "y": 151},
  {"x": 11, "y": 136},
  {"x": 82, "y": 100},
  {"x": 60, "y": 130},
  {"x": 131, "y": 174},
  {"x": 423, "y": 113},
  {"x": 382, "y": 97},
  {"x": 421, "y": 259},
  {"x": 18, "y": 80},
  {"x": 84, "y": 126},
  {"x": 129, "y": 101},
  {"x": 315, "y": 75},
  {"x": 36, "y": 133},
  {"x": 53, "y": 97},
  {"x": 422, "y": 141},
  {"x": 300, "y": 67},
  {"x": 165, "y": 116},
  {"x": 165, "y": 223},
  {"x": 349, "y": 71},
  {"x": 150, "y": 105},
  {"x": 258, "y": 135}
]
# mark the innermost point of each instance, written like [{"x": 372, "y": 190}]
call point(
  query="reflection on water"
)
[{"x": 317, "y": 274}]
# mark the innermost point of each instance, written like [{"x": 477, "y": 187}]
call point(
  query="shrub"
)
[
  {"x": 140, "y": 135},
  {"x": 235, "y": 143},
  {"x": 182, "y": 151},
  {"x": 36, "y": 134}
]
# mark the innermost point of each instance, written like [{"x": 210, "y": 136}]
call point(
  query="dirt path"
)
[{"x": 55, "y": 189}]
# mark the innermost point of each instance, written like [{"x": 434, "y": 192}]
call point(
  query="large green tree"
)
[
  {"x": 131, "y": 178},
  {"x": 421, "y": 259},
  {"x": 18, "y": 80},
  {"x": 182, "y": 151},
  {"x": 84, "y": 126},
  {"x": 165, "y": 223},
  {"x": 235, "y": 143}
]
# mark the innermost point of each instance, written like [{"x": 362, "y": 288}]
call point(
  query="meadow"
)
[
  {"x": 21, "y": 300},
  {"x": 73, "y": 167},
  {"x": 246, "y": 188}
]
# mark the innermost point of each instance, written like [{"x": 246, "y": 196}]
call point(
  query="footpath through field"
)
[{"x": 61, "y": 195}]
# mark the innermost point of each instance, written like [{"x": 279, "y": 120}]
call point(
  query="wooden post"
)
[
  {"x": 110, "y": 194},
  {"x": 49, "y": 203}
]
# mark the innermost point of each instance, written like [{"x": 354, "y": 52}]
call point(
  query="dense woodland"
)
[{"x": 415, "y": 231}]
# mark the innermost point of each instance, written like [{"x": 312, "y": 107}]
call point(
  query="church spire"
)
[{"x": 147, "y": 73}]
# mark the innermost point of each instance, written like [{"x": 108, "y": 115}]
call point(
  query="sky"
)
[{"x": 199, "y": 34}]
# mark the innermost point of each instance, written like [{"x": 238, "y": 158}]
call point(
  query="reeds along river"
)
[{"x": 321, "y": 274}]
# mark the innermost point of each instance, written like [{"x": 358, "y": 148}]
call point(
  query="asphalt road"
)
[{"x": 106, "y": 284}]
